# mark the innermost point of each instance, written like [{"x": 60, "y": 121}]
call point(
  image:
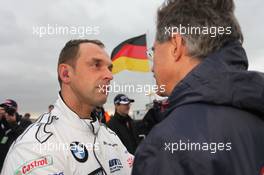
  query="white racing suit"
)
[{"x": 60, "y": 143}]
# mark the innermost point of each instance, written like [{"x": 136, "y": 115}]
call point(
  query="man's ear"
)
[
  {"x": 177, "y": 46},
  {"x": 64, "y": 71}
]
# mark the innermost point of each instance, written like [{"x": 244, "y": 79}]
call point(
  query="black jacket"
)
[
  {"x": 219, "y": 103},
  {"x": 144, "y": 126},
  {"x": 123, "y": 127},
  {"x": 151, "y": 118},
  {"x": 9, "y": 133}
]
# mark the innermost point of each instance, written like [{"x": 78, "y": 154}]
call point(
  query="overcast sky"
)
[{"x": 28, "y": 61}]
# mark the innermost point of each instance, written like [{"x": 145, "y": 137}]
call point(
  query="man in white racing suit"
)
[{"x": 67, "y": 141}]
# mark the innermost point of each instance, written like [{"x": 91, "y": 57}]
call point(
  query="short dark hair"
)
[
  {"x": 70, "y": 52},
  {"x": 199, "y": 13}
]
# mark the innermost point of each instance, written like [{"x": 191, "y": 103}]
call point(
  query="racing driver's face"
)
[{"x": 91, "y": 74}]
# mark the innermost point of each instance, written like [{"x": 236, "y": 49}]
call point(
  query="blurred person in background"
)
[
  {"x": 101, "y": 114},
  {"x": 50, "y": 108},
  {"x": 27, "y": 116},
  {"x": 11, "y": 125},
  {"x": 154, "y": 115},
  {"x": 122, "y": 124}
]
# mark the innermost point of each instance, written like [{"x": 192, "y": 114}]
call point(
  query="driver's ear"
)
[{"x": 64, "y": 71}]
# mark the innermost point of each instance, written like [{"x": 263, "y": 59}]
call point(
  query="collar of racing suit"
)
[{"x": 86, "y": 125}]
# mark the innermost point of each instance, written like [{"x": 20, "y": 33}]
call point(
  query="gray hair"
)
[{"x": 197, "y": 15}]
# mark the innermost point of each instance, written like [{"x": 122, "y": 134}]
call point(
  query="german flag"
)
[{"x": 131, "y": 55}]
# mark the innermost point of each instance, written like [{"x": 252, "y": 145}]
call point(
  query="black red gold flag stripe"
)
[{"x": 131, "y": 55}]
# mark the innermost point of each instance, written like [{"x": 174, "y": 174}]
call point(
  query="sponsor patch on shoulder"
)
[
  {"x": 115, "y": 165},
  {"x": 31, "y": 165},
  {"x": 110, "y": 144},
  {"x": 130, "y": 161}
]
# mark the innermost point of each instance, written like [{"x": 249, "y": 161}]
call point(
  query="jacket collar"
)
[
  {"x": 222, "y": 79},
  {"x": 121, "y": 118},
  {"x": 86, "y": 125}
]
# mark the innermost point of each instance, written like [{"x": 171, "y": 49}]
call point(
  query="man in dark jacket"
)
[
  {"x": 122, "y": 124},
  {"x": 11, "y": 126},
  {"x": 214, "y": 124},
  {"x": 152, "y": 117}
]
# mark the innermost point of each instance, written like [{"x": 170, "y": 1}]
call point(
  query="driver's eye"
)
[{"x": 97, "y": 64}]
